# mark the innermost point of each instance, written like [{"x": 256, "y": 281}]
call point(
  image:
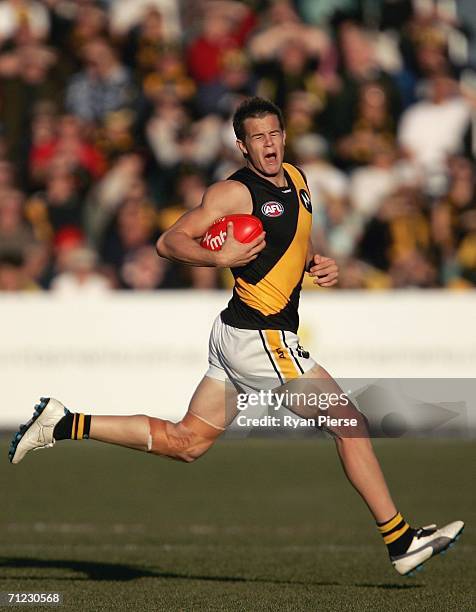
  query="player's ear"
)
[
  {"x": 284, "y": 137},
  {"x": 241, "y": 145}
]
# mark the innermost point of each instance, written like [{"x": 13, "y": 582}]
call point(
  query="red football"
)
[{"x": 245, "y": 229}]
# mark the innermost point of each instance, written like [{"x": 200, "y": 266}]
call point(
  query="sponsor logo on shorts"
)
[{"x": 272, "y": 209}]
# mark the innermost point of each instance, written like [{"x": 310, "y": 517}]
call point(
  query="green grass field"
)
[{"x": 254, "y": 525}]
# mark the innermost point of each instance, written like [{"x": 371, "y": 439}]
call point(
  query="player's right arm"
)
[{"x": 181, "y": 242}]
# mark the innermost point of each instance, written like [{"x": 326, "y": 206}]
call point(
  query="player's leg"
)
[
  {"x": 186, "y": 440},
  {"x": 408, "y": 548},
  {"x": 353, "y": 443}
]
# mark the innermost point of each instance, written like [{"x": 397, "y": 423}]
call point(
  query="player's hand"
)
[
  {"x": 324, "y": 270},
  {"x": 234, "y": 254}
]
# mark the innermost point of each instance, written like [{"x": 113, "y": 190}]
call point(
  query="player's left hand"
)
[{"x": 324, "y": 270}]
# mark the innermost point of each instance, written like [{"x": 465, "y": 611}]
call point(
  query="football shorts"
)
[{"x": 253, "y": 359}]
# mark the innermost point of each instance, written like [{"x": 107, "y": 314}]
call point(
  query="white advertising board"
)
[{"x": 144, "y": 353}]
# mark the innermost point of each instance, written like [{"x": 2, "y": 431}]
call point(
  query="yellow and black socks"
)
[
  {"x": 397, "y": 535},
  {"x": 73, "y": 426}
]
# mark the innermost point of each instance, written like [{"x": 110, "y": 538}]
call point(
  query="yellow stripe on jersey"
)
[
  {"x": 272, "y": 293},
  {"x": 74, "y": 424},
  {"x": 282, "y": 358}
]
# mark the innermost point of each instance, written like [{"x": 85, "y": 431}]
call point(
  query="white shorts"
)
[{"x": 253, "y": 359}]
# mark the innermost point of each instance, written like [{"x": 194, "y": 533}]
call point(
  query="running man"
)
[{"x": 253, "y": 342}]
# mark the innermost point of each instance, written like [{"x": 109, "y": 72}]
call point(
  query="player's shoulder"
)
[
  {"x": 228, "y": 188},
  {"x": 228, "y": 197}
]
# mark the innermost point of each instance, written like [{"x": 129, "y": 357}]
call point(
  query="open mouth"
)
[{"x": 270, "y": 156}]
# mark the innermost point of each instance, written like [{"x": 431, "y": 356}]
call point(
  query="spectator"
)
[
  {"x": 12, "y": 276},
  {"x": 30, "y": 79},
  {"x": 15, "y": 233},
  {"x": 386, "y": 174},
  {"x": 104, "y": 85},
  {"x": 300, "y": 117},
  {"x": 38, "y": 264},
  {"x": 398, "y": 235},
  {"x": 80, "y": 276},
  {"x": 434, "y": 128},
  {"x": 103, "y": 201},
  {"x": 7, "y": 176},
  {"x": 413, "y": 270},
  {"x": 90, "y": 23},
  {"x": 292, "y": 70},
  {"x": 59, "y": 205},
  {"x": 335, "y": 227},
  {"x": 145, "y": 43},
  {"x": 282, "y": 26},
  {"x": 168, "y": 75},
  {"x": 134, "y": 227},
  {"x": 125, "y": 15},
  {"x": 24, "y": 19},
  {"x": 373, "y": 128},
  {"x": 115, "y": 116},
  {"x": 143, "y": 270},
  {"x": 175, "y": 139},
  {"x": 222, "y": 30},
  {"x": 237, "y": 81},
  {"x": 467, "y": 17},
  {"x": 454, "y": 225},
  {"x": 68, "y": 143},
  {"x": 359, "y": 67},
  {"x": 114, "y": 138}
]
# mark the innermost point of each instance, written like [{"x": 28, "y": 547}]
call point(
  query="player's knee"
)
[
  {"x": 192, "y": 454},
  {"x": 177, "y": 441},
  {"x": 168, "y": 439},
  {"x": 348, "y": 424}
]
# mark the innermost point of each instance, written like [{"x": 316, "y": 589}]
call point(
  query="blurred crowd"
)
[{"x": 115, "y": 116}]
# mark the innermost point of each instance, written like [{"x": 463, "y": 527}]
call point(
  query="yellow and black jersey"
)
[{"x": 266, "y": 291}]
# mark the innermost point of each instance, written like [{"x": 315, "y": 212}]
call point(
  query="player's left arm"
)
[{"x": 324, "y": 269}]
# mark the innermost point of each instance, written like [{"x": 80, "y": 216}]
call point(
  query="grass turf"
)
[{"x": 254, "y": 525}]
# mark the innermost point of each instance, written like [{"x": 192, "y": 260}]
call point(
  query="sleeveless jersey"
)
[{"x": 266, "y": 291}]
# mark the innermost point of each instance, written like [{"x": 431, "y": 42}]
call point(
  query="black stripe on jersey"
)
[
  {"x": 270, "y": 357},
  {"x": 292, "y": 353}
]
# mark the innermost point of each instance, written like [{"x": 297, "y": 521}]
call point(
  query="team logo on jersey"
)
[
  {"x": 272, "y": 209},
  {"x": 306, "y": 200}
]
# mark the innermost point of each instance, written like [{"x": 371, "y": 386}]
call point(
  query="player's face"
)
[{"x": 264, "y": 144}]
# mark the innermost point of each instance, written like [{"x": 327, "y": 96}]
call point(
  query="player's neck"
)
[{"x": 278, "y": 180}]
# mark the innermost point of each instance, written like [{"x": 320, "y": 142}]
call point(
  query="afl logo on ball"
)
[
  {"x": 305, "y": 199},
  {"x": 272, "y": 209}
]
